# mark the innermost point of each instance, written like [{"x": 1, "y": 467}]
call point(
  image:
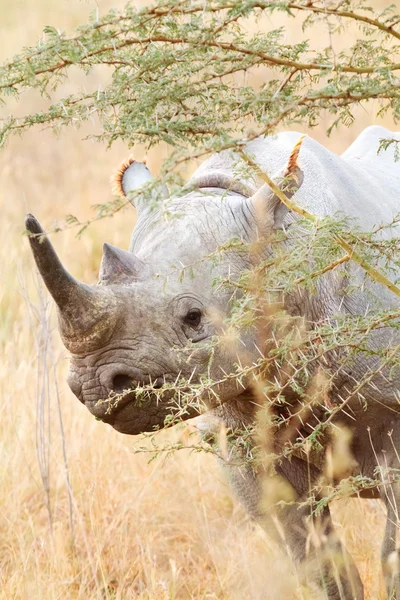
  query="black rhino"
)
[{"x": 146, "y": 325}]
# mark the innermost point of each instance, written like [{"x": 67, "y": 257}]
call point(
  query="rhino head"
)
[{"x": 153, "y": 318}]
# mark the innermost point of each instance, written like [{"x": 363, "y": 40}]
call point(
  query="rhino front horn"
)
[{"x": 86, "y": 313}]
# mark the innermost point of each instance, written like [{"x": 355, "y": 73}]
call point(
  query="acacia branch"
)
[
  {"x": 346, "y": 14},
  {"x": 207, "y": 42}
]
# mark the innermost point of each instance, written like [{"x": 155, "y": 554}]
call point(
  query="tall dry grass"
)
[{"x": 160, "y": 530}]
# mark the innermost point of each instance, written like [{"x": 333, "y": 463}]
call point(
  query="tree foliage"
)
[{"x": 182, "y": 72}]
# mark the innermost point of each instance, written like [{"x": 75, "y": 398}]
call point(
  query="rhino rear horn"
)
[
  {"x": 119, "y": 266},
  {"x": 86, "y": 312}
]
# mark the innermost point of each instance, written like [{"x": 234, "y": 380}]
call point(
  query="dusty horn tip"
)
[{"x": 32, "y": 224}]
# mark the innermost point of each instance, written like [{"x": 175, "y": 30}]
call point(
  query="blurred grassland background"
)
[{"x": 162, "y": 529}]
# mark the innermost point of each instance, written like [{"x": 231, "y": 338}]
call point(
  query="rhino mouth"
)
[
  {"x": 106, "y": 409},
  {"x": 143, "y": 408},
  {"x": 137, "y": 394}
]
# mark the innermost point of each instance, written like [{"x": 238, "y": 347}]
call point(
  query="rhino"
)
[{"x": 144, "y": 326}]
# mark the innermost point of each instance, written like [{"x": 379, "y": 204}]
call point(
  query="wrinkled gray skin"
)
[{"x": 146, "y": 324}]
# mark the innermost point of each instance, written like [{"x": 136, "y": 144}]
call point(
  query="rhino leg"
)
[
  {"x": 313, "y": 545},
  {"x": 312, "y": 539},
  {"x": 316, "y": 548}
]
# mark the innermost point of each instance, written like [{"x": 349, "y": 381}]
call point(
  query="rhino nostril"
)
[{"x": 120, "y": 383}]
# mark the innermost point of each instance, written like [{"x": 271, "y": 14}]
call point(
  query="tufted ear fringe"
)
[
  {"x": 116, "y": 178},
  {"x": 293, "y": 169}
]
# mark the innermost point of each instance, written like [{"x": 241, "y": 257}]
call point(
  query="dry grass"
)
[{"x": 165, "y": 529}]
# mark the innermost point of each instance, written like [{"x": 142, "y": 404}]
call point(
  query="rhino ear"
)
[
  {"x": 119, "y": 266},
  {"x": 133, "y": 175},
  {"x": 270, "y": 211}
]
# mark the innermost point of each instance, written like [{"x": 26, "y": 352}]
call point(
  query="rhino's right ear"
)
[
  {"x": 119, "y": 266},
  {"x": 133, "y": 175},
  {"x": 269, "y": 209}
]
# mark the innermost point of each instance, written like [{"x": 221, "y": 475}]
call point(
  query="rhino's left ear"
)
[
  {"x": 133, "y": 175},
  {"x": 119, "y": 266},
  {"x": 268, "y": 208}
]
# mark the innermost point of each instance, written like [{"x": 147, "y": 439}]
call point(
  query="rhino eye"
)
[{"x": 193, "y": 317}]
